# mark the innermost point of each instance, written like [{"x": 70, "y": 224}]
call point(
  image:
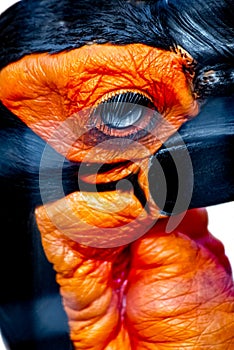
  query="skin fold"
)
[
  {"x": 126, "y": 283},
  {"x": 164, "y": 291}
]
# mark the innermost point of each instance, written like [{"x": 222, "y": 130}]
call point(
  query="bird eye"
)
[{"x": 122, "y": 110}]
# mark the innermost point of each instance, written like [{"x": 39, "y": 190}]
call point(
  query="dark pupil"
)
[{"x": 123, "y": 110}]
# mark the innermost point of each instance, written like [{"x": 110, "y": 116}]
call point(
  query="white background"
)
[{"x": 221, "y": 217}]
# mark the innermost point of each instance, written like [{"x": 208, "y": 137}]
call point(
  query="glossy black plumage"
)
[{"x": 53, "y": 26}]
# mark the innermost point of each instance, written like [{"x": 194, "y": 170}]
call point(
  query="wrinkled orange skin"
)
[
  {"x": 46, "y": 90},
  {"x": 163, "y": 290}
]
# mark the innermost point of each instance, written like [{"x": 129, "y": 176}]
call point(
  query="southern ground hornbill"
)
[{"x": 116, "y": 125}]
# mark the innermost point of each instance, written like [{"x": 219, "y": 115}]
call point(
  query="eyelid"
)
[{"x": 128, "y": 114}]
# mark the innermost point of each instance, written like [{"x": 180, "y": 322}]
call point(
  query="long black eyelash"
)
[{"x": 129, "y": 97}]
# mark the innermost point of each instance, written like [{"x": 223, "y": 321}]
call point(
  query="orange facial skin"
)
[
  {"x": 47, "y": 90},
  {"x": 164, "y": 291},
  {"x": 125, "y": 282}
]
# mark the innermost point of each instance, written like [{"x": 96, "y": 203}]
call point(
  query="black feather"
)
[
  {"x": 54, "y": 26},
  {"x": 203, "y": 28}
]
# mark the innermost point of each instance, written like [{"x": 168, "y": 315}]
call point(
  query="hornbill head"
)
[{"x": 115, "y": 116}]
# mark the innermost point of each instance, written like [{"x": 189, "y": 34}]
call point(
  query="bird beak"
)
[{"x": 196, "y": 164}]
